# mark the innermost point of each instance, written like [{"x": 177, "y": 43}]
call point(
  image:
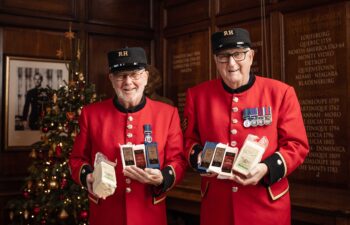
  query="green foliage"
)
[{"x": 49, "y": 194}]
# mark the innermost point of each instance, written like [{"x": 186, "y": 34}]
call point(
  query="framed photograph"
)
[{"x": 25, "y": 80}]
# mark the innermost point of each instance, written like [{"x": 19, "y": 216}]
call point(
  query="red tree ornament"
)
[
  {"x": 63, "y": 183},
  {"x": 58, "y": 151},
  {"x": 36, "y": 210},
  {"x": 26, "y": 194},
  {"x": 84, "y": 214}
]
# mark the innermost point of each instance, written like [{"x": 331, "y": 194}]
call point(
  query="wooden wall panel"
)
[
  {"x": 316, "y": 65},
  {"x": 187, "y": 64},
  {"x": 34, "y": 28},
  {"x": 227, "y": 6},
  {"x": 125, "y": 13},
  {"x": 184, "y": 14},
  {"x": 175, "y": 2},
  {"x": 52, "y": 8},
  {"x": 21, "y": 42},
  {"x": 99, "y": 46},
  {"x": 31, "y": 42},
  {"x": 319, "y": 188}
]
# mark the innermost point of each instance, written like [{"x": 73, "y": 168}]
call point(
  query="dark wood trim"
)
[
  {"x": 191, "y": 28},
  {"x": 31, "y": 22},
  {"x": 72, "y": 15},
  {"x": 294, "y": 5},
  {"x": 277, "y": 48},
  {"x": 118, "y": 31}
]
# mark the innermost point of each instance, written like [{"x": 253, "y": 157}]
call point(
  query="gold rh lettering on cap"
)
[
  {"x": 228, "y": 32},
  {"x": 123, "y": 53}
]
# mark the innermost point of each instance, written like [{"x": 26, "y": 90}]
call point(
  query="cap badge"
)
[
  {"x": 229, "y": 32},
  {"x": 122, "y": 53}
]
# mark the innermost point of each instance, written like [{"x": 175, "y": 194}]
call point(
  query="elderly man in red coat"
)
[
  {"x": 225, "y": 110},
  {"x": 122, "y": 120}
]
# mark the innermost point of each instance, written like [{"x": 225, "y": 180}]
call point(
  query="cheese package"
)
[
  {"x": 105, "y": 181},
  {"x": 250, "y": 154}
]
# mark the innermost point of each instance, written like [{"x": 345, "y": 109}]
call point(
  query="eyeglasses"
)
[
  {"x": 237, "y": 56},
  {"x": 134, "y": 75}
]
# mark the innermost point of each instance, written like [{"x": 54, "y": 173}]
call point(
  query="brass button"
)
[
  {"x": 233, "y": 131},
  {"x": 130, "y": 118},
  {"x": 127, "y": 180},
  {"x": 129, "y": 126},
  {"x": 234, "y": 121},
  {"x": 129, "y": 143},
  {"x": 235, "y": 109},
  {"x": 128, "y": 190},
  {"x": 233, "y": 143},
  {"x": 235, "y": 99},
  {"x": 234, "y": 189},
  {"x": 129, "y": 135},
  {"x": 279, "y": 162}
]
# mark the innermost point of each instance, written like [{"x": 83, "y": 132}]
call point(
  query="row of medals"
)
[{"x": 259, "y": 116}]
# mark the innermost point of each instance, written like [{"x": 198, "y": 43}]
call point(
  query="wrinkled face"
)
[
  {"x": 233, "y": 65},
  {"x": 129, "y": 86}
]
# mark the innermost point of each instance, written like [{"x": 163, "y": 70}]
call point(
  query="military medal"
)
[
  {"x": 260, "y": 120},
  {"x": 246, "y": 123},
  {"x": 254, "y": 116},
  {"x": 268, "y": 115},
  {"x": 246, "y": 113},
  {"x": 258, "y": 116}
]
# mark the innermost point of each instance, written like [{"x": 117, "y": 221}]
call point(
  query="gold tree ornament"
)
[
  {"x": 63, "y": 214},
  {"x": 54, "y": 98},
  {"x": 50, "y": 153},
  {"x": 81, "y": 76},
  {"x": 26, "y": 214},
  {"x": 33, "y": 154},
  {"x": 29, "y": 184},
  {"x": 48, "y": 110},
  {"x": 49, "y": 190},
  {"x": 53, "y": 184},
  {"x": 11, "y": 215}
]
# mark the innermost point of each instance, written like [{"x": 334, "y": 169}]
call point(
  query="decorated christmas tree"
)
[{"x": 49, "y": 194}]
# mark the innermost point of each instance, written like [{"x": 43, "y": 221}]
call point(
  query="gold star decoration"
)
[
  {"x": 69, "y": 34},
  {"x": 59, "y": 53}
]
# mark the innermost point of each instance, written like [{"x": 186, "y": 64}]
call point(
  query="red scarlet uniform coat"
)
[
  {"x": 102, "y": 128},
  {"x": 214, "y": 113}
]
